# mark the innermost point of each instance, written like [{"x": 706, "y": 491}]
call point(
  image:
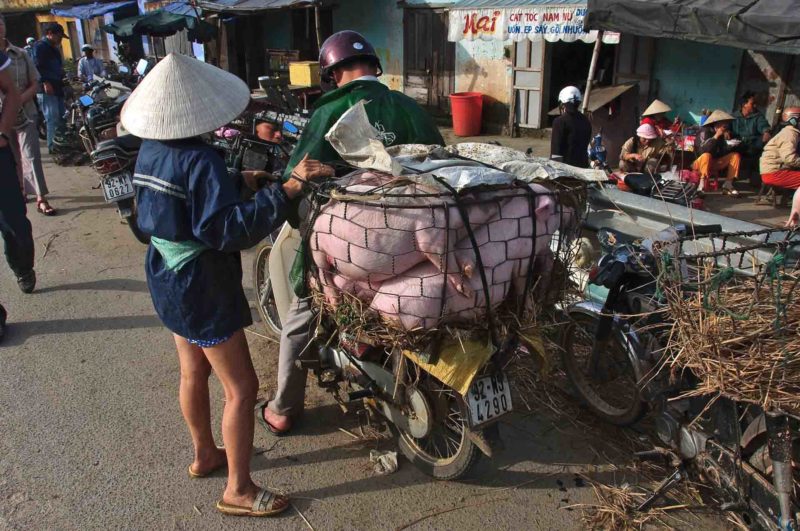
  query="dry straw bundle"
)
[{"x": 737, "y": 331}]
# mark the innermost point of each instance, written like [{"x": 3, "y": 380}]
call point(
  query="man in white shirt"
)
[{"x": 89, "y": 65}]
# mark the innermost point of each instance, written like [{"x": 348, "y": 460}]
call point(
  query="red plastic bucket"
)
[{"x": 467, "y": 108}]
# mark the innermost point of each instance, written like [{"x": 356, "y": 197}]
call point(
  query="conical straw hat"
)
[
  {"x": 718, "y": 116},
  {"x": 183, "y": 97},
  {"x": 657, "y": 107}
]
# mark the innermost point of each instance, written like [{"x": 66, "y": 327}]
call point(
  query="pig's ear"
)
[{"x": 545, "y": 206}]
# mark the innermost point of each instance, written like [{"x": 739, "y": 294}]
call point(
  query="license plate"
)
[
  {"x": 116, "y": 187},
  {"x": 489, "y": 397}
]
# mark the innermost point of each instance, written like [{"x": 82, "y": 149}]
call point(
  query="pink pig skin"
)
[
  {"x": 414, "y": 301},
  {"x": 375, "y": 243}
]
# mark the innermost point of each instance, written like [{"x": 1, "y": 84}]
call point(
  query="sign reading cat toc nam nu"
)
[{"x": 559, "y": 23}]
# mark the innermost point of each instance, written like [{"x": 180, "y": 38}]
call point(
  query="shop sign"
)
[{"x": 561, "y": 23}]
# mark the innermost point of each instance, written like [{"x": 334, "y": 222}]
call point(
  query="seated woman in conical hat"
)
[
  {"x": 656, "y": 115},
  {"x": 197, "y": 223}
]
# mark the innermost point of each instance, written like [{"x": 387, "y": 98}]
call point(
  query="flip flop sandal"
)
[
  {"x": 258, "y": 411},
  {"x": 44, "y": 208},
  {"x": 264, "y": 505},
  {"x": 195, "y": 475}
]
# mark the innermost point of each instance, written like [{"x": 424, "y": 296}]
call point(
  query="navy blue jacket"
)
[
  {"x": 50, "y": 65},
  {"x": 184, "y": 193}
]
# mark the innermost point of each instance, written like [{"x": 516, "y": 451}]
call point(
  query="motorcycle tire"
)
[
  {"x": 265, "y": 297},
  {"x": 459, "y": 463},
  {"x": 42, "y": 129},
  {"x": 134, "y": 226},
  {"x": 627, "y": 406}
]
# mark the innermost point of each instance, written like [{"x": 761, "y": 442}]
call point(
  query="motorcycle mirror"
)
[
  {"x": 289, "y": 127},
  {"x": 141, "y": 67},
  {"x": 124, "y": 69},
  {"x": 86, "y": 101}
]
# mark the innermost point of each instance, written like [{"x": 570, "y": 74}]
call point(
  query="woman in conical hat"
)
[
  {"x": 656, "y": 115},
  {"x": 191, "y": 209}
]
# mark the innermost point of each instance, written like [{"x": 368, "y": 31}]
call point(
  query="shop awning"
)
[
  {"x": 518, "y": 20},
  {"x": 764, "y": 25},
  {"x": 87, "y": 11},
  {"x": 251, "y": 6},
  {"x": 161, "y": 23},
  {"x": 599, "y": 97}
]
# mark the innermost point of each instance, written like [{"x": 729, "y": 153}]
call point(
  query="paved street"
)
[{"x": 92, "y": 436}]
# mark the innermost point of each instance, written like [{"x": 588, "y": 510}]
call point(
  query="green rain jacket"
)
[{"x": 398, "y": 119}]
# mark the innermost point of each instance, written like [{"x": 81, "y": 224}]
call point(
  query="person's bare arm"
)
[
  {"x": 306, "y": 170},
  {"x": 11, "y": 103}
]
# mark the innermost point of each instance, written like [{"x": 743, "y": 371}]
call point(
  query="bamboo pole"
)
[
  {"x": 592, "y": 69},
  {"x": 318, "y": 24}
]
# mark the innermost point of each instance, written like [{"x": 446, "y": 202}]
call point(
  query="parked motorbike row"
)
[{"x": 613, "y": 355}]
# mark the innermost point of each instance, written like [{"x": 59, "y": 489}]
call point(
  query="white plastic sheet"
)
[{"x": 358, "y": 142}]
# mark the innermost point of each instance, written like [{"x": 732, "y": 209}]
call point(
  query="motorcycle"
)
[
  {"x": 67, "y": 143},
  {"x": 443, "y": 422},
  {"x": 613, "y": 351},
  {"x": 114, "y": 160}
]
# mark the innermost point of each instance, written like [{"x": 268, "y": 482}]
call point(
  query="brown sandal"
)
[
  {"x": 44, "y": 208},
  {"x": 263, "y": 505}
]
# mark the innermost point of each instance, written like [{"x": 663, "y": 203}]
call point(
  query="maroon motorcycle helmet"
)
[{"x": 341, "y": 48}]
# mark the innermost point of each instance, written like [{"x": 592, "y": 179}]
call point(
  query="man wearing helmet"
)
[
  {"x": 29, "y": 42},
  {"x": 89, "y": 65},
  {"x": 349, "y": 66},
  {"x": 572, "y": 131},
  {"x": 780, "y": 161}
]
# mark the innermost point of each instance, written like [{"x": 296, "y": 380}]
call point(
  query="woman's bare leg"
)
[
  {"x": 231, "y": 361},
  {"x": 196, "y": 407}
]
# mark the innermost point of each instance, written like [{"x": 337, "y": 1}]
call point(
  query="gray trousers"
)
[
  {"x": 297, "y": 332},
  {"x": 25, "y": 145}
]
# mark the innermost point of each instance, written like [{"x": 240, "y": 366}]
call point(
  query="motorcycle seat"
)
[{"x": 125, "y": 142}]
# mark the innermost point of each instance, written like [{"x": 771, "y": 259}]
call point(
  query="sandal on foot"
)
[
  {"x": 259, "y": 414},
  {"x": 195, "y": 475},
  {"x": 44, "y": 208},
  {"x": 728, "y": 189},
  {"x": 264, "y": 505}
]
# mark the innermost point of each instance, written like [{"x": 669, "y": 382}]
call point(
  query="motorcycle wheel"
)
[
  {"x": 617, "y": 400},
  {"x": 131, "y": 220},
  {"x": 446, "y": 453},
  {"x": 265, "y": 297},
  {"x": 42, "y": 129}
]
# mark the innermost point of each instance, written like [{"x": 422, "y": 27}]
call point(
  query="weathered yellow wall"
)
[
  {"x": 18, "y": 5},
  {"x": 65, "y": 47},
  {"x": 482, "y": 66}
]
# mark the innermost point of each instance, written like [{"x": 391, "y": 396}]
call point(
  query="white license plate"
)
[
  {"x": 116, "y": 187},
  {"x": 488, "y": 398}
]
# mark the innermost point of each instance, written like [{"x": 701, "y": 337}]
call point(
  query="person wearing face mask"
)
[
  {"x": 644, "y": 152},
  {"x": 349, "y": 63}
]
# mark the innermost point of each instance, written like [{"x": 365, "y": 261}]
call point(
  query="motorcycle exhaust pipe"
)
[{"x": 780, "y": 452}]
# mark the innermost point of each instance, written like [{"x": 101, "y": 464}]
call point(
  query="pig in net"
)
[{"x": 410, "y": 254}]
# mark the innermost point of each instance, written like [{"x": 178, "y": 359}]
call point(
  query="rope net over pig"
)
[{"x": 413, "y": 254}]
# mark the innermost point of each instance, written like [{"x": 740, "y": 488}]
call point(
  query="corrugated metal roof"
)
[
  {"x": 250, "y": 6},
  {"x": 87, "y": 11},
  {"x": 473, "y": 4},
  {"x": 601, "y": 96}
]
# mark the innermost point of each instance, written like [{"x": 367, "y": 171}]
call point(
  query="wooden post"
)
[
  {"x": 786, "y": 78},
  {"x": 318, "y": 24},
  {"x": 512, "y": 104},
  {"x": 592, "y": 68}
]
